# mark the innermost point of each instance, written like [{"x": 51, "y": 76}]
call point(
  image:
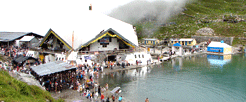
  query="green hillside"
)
[
  {"x": 12, "y": 90},
  {"x": 226, "y": 17}
]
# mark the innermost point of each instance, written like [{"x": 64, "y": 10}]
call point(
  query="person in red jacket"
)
[{"x": 102, "y": 98}]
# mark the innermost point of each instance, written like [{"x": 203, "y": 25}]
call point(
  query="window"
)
[
  {"x": 142, "y": 55},
  {"x": 172, "y": 41},
  {"x": 104, "y": 45},
  {"x": 139, "y": 56},
  {"x": 189, "y": 42},
  {"x": 135, "y": 56},
  {"x": 110, "y": 39}
]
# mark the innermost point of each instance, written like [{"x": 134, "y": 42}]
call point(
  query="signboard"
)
[{"x": 104, "y": 40}]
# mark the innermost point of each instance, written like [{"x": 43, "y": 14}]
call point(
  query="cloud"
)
[{"x": 160, "y": 10}]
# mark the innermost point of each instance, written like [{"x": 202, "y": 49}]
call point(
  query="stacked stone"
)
[{"x": 205, "y": 31}]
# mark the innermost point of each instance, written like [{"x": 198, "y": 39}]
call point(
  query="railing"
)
[{"x": 107, "y": 52}]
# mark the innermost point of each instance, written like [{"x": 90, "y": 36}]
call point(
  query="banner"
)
[{"x": 104, "y": 40}]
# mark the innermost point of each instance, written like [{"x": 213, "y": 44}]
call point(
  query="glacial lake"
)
[{"x": 199, "y": 78}]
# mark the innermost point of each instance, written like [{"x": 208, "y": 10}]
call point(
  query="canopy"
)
[
  {"x": 52, "y": 67},
  {"x": 177, "y": 45}
]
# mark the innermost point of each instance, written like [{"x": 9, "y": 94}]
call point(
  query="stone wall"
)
[{"x": 227, "y": 40}]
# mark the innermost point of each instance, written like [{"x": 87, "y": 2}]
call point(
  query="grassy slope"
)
[
  {"x": 207, "y": 10},
  {"x": 15, "y": 90}
]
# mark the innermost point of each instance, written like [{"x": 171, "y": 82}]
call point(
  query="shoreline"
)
[{"x": 69, "y": 95}]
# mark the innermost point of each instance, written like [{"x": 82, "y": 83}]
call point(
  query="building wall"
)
[
  {"x": 111, "y": 46},
  {"x": 227, "y": 50},
  {"x": 151, "y": 42},
  {"x": 193, "y": 43},
  {"x": 189, "y": 43}
]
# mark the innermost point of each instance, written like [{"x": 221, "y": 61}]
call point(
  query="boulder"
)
[{"x": 205, "y": 31}]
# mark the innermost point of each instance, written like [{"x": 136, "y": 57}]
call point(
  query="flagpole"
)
[{"x": 72, "y": 46}]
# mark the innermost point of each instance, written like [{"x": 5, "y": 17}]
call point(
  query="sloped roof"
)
[
  {"x": 20, "y": 59},
  {"x": 177, "y": 45},
  {"x": 183, "y": 39},
  {"x": 101, "y": 34},
  {"x": 218, "y": 44},
  {"x": 27, "y": 38},
  {"x": 86, "y": 25},
  {"x": 150, "y": 39},
  {"x": 52, "y": 67},
  {"x": 55, "y": 34},
  {"x": 10, "y": 36}
]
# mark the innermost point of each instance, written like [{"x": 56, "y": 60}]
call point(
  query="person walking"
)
[
  {"x": 113, "y": 98},
  {"x": 102, "y": 98},
  {"x": 107, "y": 100},
  {"x": 120, "y": 99},
  {"x": 146, "y": 100},
  {"x": 106, "y": 86},
  {"x": 81, "y": 90},
  {"x": 99, "y": 90}
]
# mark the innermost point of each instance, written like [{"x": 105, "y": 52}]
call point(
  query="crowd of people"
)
[
  {"x": 83, "y": 78},
  {"x": 13, "y": 52}
]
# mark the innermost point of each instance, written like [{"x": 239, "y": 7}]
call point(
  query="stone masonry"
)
[{"x": 227, "y": 40}]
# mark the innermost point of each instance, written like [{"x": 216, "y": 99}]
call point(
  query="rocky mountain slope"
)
[{"x": 225, "y": 18}]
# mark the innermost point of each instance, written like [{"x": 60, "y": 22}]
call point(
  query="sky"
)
[
  {"x": 14, "y": 14},
  {"x": 28, "y": 6},
  {"x": 106, "y": 6}
]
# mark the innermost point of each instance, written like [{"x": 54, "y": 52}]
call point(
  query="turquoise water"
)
[{"x": 201, "y": 78}]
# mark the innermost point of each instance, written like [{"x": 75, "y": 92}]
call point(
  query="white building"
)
[{"x": 94, "y": 32}]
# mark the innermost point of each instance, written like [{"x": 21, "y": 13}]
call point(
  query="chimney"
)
[{"x": 90, "y": 7}]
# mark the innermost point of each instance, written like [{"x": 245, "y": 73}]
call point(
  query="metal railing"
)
[{"x": 107, "y": 52}]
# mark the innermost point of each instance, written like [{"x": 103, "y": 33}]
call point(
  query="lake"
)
[{"x": 200, "y": 78}]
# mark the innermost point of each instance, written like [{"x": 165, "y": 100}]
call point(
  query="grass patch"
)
[{"x": 13, "y": 90}]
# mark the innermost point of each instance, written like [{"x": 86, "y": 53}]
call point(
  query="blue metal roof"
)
[{"x": 177, "y": 45}]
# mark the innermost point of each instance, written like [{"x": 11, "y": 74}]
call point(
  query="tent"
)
[{"x": 219, "y": 47}]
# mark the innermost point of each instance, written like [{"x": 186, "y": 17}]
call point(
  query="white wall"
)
[{"x": 97, "y": 47}]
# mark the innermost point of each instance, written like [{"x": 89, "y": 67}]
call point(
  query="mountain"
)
[{"x": 227, "y": 18}]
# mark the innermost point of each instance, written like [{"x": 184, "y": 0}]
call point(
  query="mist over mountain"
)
[{"x": 143, "y": 10}]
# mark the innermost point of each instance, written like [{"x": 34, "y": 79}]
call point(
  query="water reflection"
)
[
  {"x": 177, "y": 64},
  {"x": 124, "y": 76},
  {"x": 219, "y": 60},
  {"x": 140, "y": 72}
]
